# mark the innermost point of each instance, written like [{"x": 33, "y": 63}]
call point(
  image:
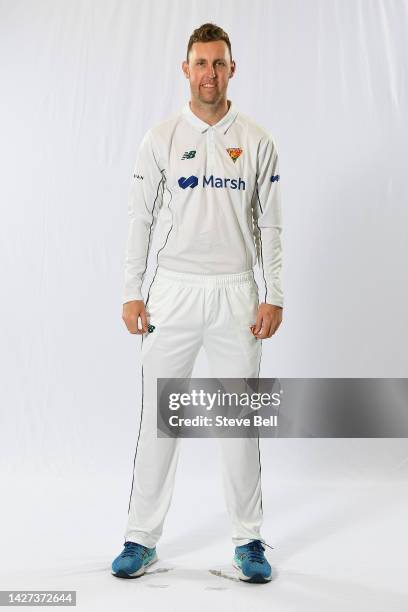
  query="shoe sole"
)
[
  {"x": 255, "y": 579},
  {"x": 140, "y": 571}
]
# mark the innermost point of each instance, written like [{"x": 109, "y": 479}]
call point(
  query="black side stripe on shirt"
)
[
  {"x": 260, "y": 240},
  {"x": 160, "y": 184},
  {"x": 167, "y": 237}
]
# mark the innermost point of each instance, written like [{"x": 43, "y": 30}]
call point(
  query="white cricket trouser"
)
[{"x": 190, "y": 311}]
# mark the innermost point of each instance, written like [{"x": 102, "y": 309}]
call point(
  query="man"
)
[{"x": 207, "y": 182}]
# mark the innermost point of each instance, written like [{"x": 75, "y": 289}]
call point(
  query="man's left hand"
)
[{"x": 268, "y": 320}]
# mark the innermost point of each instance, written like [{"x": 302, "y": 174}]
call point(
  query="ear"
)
[{"x": 184, "y": 67}]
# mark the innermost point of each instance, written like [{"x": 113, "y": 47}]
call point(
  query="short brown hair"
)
[{"x": 207, "y": 33}]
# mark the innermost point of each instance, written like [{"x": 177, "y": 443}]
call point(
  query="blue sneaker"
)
[
  {"x": 133, "y": 560},
  {"x": 251, "y": 563}
]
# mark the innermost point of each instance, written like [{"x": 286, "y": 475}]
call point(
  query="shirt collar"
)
[{"x": 223, "y": 124}]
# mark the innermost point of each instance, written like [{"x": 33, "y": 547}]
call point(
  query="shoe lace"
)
[
  {"x": 255, "y": 551},
  {"x": 131, "y": 549}
]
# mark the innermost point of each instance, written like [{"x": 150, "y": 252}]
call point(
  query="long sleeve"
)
[
  {"x": 267, "y": 220},
  {"x": 145, "y": 200}
]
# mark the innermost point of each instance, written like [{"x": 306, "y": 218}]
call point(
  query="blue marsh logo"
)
[
  {"x": 211, "y": 181},
  {"x": 191, "y": 181}
]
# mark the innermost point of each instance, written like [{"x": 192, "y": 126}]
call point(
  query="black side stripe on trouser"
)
[
  {"x": 137, "y": 443},
  {"x": 259, "y": 452}
]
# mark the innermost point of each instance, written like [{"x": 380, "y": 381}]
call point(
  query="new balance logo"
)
[
  {"x": 191, "y": 181},
  {"x": 189, "y": 155},
  {"x": 275, "y": 178},
  {"x": 211, "y": 181}
]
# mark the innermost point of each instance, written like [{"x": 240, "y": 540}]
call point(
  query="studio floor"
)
[{"x": 338, "y": 545}]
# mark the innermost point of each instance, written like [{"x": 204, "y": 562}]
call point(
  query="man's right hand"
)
[{"x": 132, "y": 311}]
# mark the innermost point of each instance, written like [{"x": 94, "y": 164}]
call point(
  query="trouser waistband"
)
[{"x": 206, "y": 280}]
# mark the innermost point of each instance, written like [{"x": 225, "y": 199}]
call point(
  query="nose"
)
[{"x": 212, "y": 74}]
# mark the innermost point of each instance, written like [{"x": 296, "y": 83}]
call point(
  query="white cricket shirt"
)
[{"x": 211, "y": 195}]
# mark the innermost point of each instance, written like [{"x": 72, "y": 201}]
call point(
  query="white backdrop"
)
[{"x": 81, "y": 81}]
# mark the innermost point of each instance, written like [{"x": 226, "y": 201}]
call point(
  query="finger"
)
[
  {"x": 266, "y": 326},
  {"x": 261, "y": 334},
  {"x": 143, "y": 318},
  {"x": 271, "y": 328},
  {"x": 271, "y": 331},
  {"x": 258, "y": 323},
  {"x": 275, "y": 327},
  {"x": 135, "y": 328}
]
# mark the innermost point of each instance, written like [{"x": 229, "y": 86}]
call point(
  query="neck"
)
[{"x": 209, "y": 113}]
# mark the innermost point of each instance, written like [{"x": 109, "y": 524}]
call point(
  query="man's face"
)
[{"x": 209, "y": 70}]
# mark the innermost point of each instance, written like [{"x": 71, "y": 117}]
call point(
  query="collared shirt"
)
[{"x": 207, "y": 199}]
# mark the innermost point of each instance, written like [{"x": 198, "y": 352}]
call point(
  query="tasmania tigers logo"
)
[{"x": 234, "y": 154}]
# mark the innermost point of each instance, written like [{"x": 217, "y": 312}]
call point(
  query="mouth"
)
[{"x": 208, "y": 85}]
